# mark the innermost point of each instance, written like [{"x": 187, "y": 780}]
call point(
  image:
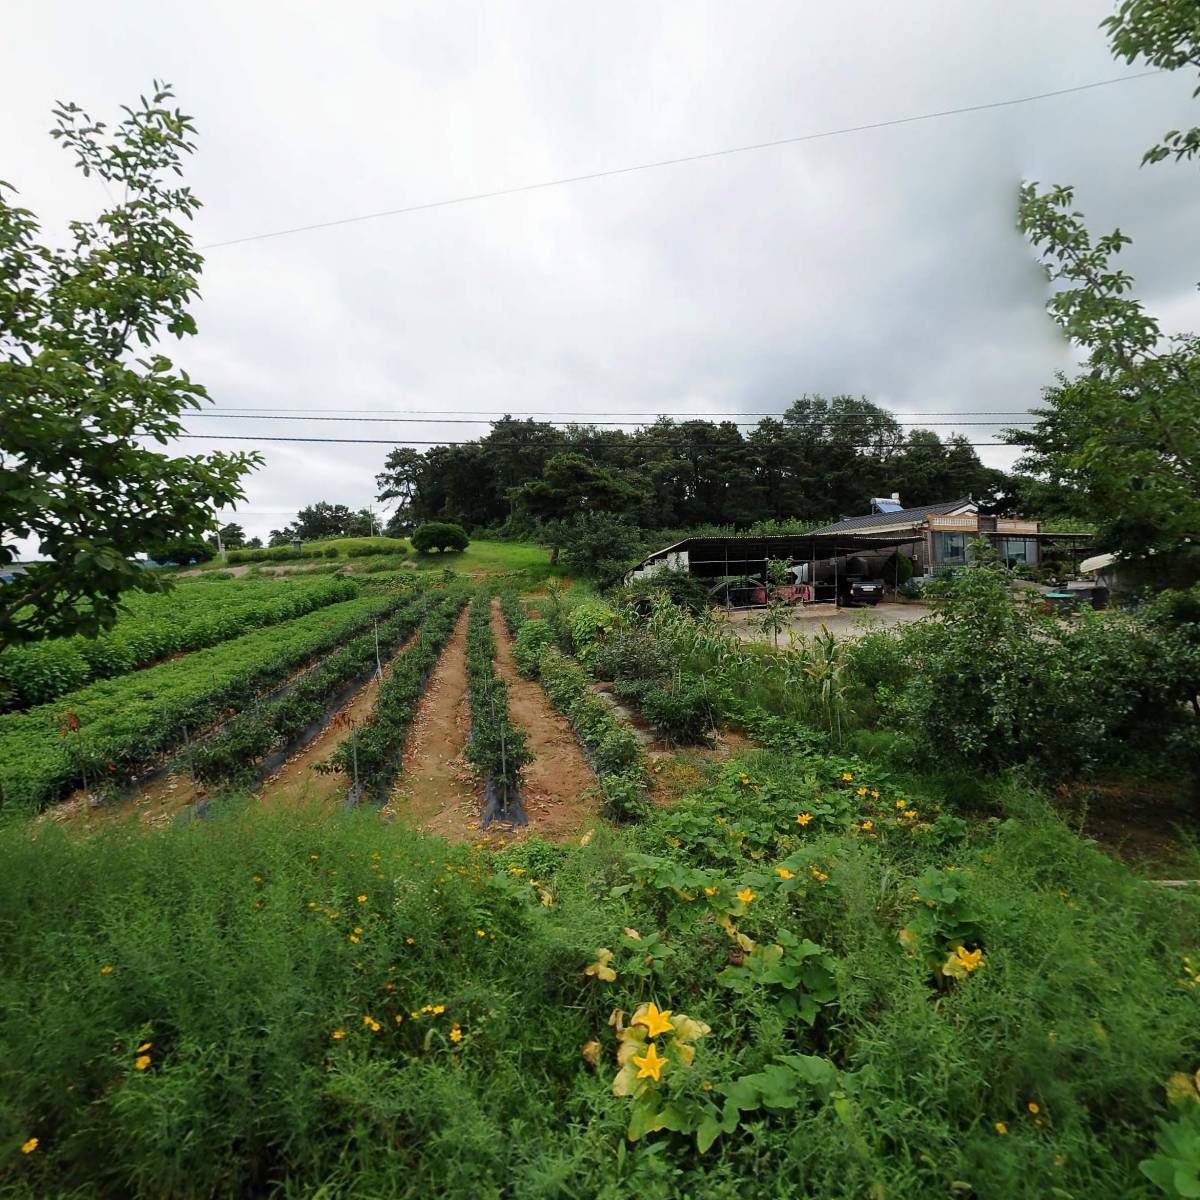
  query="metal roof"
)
[
  {"x": 744, "y": 554},
  {"x": 902, "y": 516}
]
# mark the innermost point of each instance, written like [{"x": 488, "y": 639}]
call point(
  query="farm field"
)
[{"x": 730, "y": 943}]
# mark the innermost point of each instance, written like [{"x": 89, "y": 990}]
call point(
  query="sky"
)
[{"x": 884, "y": 263}]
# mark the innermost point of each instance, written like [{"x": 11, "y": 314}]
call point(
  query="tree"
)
[
  {"x": 255, "y": 543},
  {"x": 1166, "y": 33},
  {"x": 572, "y": 484},
  {"x": 601, "y": 546},
  {"x": 232, "y": 536},
  {"x": 441, "y": 536},
  {"x": 81, "y": 387}
]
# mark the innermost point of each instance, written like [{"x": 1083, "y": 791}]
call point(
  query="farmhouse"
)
[{"x": 825, "y": 560}]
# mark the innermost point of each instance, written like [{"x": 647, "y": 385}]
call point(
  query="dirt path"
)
[
  {"x": 559, "y": 788},
  {"x": 436, "y": 791},
  {"x": 298, "y": 780}
]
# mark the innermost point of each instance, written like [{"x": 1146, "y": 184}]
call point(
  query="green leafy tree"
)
[
  {"x": 599, "y": 545},
  {"x": 1166, "y": 34},
  {"x": 572, "y": 484},
  {"x": 439, "y": 535},
  {"x": 1122, "y": 439},
  {"x": 232, "y": 536},
  {"x": 83, "y": 385}
]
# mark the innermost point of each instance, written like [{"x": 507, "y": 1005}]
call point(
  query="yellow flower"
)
[
  {"x": 862, "y": 791},
  {"x": 362, "y": 899},
  {"x": 784, "y": 873},
  {"x": 516, "y": 870},
  {"x": 410, "y": 941},
  {"x": 656, "y": 1022},
  {"x": 819, "y": 876},
  {"x": 314, "y": 857},
  {"x": 144, "y": 1047},
  {"x": 338, "y": 1034},
  {"x": 1033, "y": 1107},
  {"x": 480, "y": 933},
  {"x": 437, "y": 1009},
  {"x": 30, "y": 1146},
  {"x": 106, "y": 970},
  {"x": 745, "y": 895},
  {"x": 399, "y": 1018},
  {"x": 874, "y": 793},
  {"x": 256, "y": 878},
  {"x": 970, "y": 960},
  {"x": 600, "y": 968},
  {"x": 1001, "y": 1128},
  {"x": 868, "y": 824},
  {"x": 803, "y": 818},
  {"x": 372, "y": 1024},
  {"x": 901, "y": 803},
  {"x": 711, "y": 891},
  {"x": 142, "y": 1061},
  {"x": 354, "y": 937},
  {"x": 649, "y": 1064},
  {"x": 455, "y": 1034},
  {"x": 847, "y": 776}
]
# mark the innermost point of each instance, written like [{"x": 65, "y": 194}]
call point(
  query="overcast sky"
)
[{"x": 884, "y": 263}]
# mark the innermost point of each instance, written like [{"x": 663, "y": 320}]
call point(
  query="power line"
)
[
  {"x": 837, "y": 422},
  {"x": 698, "y": 416},
  {"x": 672, "y": 162},
  {"x": 253, "y": 437}
]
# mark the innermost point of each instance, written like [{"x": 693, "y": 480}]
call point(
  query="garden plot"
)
[
  {"x": 559, "y": 787},
  {"x": 436, "y": 791}
]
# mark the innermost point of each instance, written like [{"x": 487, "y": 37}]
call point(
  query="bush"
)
[
  {"x": 600, "y": 546},
  {"x": 182, "y": 553},
  {"x": 680, "y": 709},
  {"x": 682, "y": 587},
  {"x": 532, "y": 638},
  {"x": 441, "y": 536},
  {"x": 589, "y": 623},
  {"x": 331, "y": 552}
]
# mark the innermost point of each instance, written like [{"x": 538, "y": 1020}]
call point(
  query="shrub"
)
[
  {"x": 681, "y": 586},
  {"x": 441, "y": 536},
  {"x": 679, "y": 708},
  {"x": 532, "y": 638},
  {"x": 331, "y": 552},
  {"x": 589, "y": 623}
]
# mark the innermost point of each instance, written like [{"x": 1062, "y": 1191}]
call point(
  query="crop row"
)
[
  {"x": 370, "y": 756},
  {"x": 611, "y": 745},
  {"x": 237, "y": 746},
  {"x": 188, "y": 617},
  {"x": 497, "y": 748},
  {"x": 117, "y": 726}
]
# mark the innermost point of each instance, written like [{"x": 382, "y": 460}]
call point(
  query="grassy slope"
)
[{"x": 233, "y": 952}]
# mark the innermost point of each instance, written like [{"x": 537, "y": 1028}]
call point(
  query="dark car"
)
[{"x": 865, "y": 591}]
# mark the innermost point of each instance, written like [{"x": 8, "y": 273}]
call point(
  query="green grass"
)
[
  {"x": 531, "y": 561},
  {"x": 231, "y": 947}
]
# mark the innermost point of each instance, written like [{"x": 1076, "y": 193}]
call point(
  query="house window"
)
[
  {"x": 1016, "y": 552},
  {"x": 953, "y": 548}
]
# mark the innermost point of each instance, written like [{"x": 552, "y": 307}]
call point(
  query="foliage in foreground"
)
[
  {"x": 272, "y": 1003},
  {"x": 86, "y": 387}
]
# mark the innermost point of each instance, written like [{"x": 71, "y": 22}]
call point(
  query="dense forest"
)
[{"x": 821, "y": 459}]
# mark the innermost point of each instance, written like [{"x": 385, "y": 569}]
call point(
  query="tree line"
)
[{"x": 821, "y": 459}]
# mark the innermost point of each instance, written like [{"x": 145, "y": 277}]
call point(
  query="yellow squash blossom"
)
[
  {"x": 1001, "y": 1128},
  {"x": 803, "y": 818},
  {"x": 1033, "y": 1107},
  {"x": 142, "y": 1061},
  {"x": 862, "y": 791},
  {"x": 711, "y": 891},
  {"x": 338, "y": 1034},
  {"x": 745, "y": 895},
  {"x": 106, "y": 970},
  {"x": 30, "y": 1146},
  {"x": 144, "y": 1047},
  {"x": 600, "y": 968},
  {"x": 784, "y": 873},
  {"x": 868, "y": 825},
  {"x": 649, "y": 1065},
  {"x": 455, "y": 1034},
  {"x": 656, "y": 1022},
  {"x": 847, "y": 776}
]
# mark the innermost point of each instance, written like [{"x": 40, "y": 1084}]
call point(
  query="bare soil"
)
[
  {"x": 559, "y": 789},
  {"x": 298, "y": 780},
  {"x": 436, "y": 791},
  {"x": 806, "y": 620}
]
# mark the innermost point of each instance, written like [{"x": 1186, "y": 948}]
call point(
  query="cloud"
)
[{"x": 883, "y": 262}]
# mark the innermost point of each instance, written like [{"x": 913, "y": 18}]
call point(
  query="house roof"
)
[{"x": 902, "y": 518}]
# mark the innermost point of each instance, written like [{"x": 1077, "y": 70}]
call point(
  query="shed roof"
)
[{"x": 901, "y": 517}]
